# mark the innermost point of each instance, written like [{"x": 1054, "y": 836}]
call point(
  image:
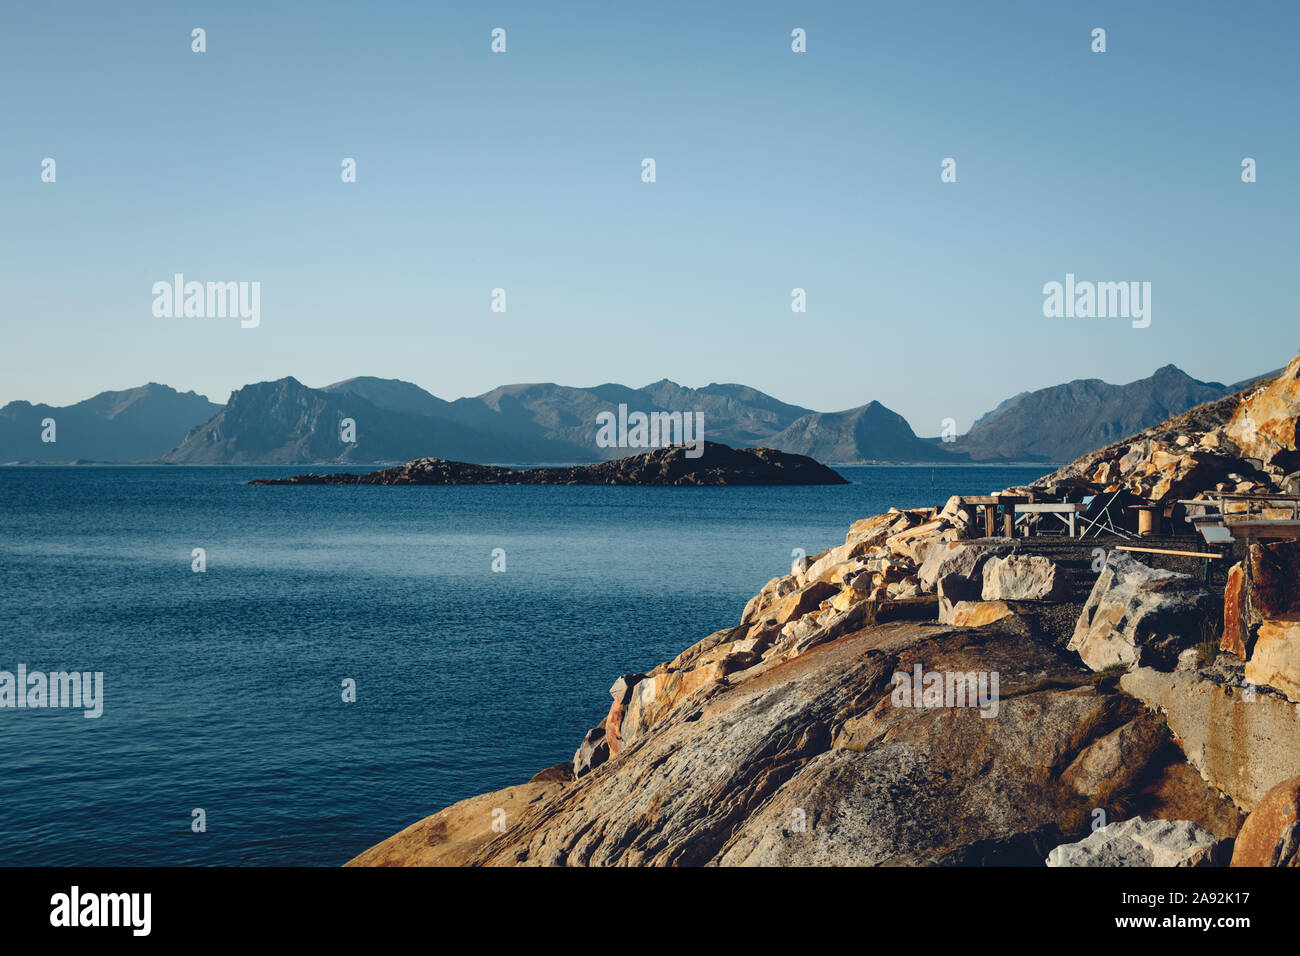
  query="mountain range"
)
[
  {"x": 1062, "y": 422},
  {"x": 137, "y": 424},
  {"x": 286, "y": 422}
]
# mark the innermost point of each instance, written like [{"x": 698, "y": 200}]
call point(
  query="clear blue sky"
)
[{"x": 522, "y": 171}]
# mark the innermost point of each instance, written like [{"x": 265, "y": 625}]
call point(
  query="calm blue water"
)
[{"x": 222, "y": 689}]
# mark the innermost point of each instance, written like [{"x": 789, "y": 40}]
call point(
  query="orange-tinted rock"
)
[
  {"x": 1265, "y": 425},
  {"x": 870, "y": 531},
  {"x": 979, "y": 613},
  {"x": 1234, "y": 608},
  {"x": 622, "y": 692},
  {"x": 1261, "y": 615},
  {"x": 452, "y": 836},
  {"x": 1275, "y": 658},
  {"x": 1271, "y": 834},
  {"x": 796, "y": 605},
  {"x": 654, "y": 697}
]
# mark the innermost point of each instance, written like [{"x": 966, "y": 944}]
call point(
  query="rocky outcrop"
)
[
  {"x": 803, "y": 763},
  {"x": 801, "y": 758},
  {"x": 1271, "y": 834},
  {"x": 717, "y": 465},
  {"x": 1137, "y": 615},
  {"x": 1138, "y": 842},
  {"x": 783, "y": 739}
]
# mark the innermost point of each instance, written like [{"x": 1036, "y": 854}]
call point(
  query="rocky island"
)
[
  {"x": 926, "y": 695},
  {"x": 672, "y": 465}
]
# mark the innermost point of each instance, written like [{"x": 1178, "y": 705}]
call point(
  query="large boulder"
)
[
  {"x": 915, "y": 544},
  {"x": 772, "y": 592},
  {"x": 796, "y": 605},
  {"x": 1275, "y": 661},
  {"x": 964, "y": 558},
  {"x": 872, "y": 532},
  {"x": 727, "y": 635},
  {"x": 959, "y": 516},
  {"x": 954, "y": 590},
  {"x": 1271, "y": 834},
  {"x": 1139, "y": 842},
  {"x": 1025, "y": 577},
  {"x": 824, "y": 568},
  {"x": 1243, "y": 741},
  {"x": 1140, "y": 616},
  {"x": 1267, "y": 422},
  {"x": 978, "y": 613}
]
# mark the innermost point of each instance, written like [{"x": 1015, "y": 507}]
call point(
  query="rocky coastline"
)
[
  {"x": 676, "y": 466},
  {"x": 926, "y": 695}
]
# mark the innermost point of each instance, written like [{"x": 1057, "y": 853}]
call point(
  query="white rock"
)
[{"x": 1139, "y": 842}]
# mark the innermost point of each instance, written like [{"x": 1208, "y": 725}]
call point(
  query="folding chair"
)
[{"x": 1099, "y": 518}]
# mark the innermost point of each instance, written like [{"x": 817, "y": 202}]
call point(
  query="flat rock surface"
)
[{"x": 813, "y": 761}]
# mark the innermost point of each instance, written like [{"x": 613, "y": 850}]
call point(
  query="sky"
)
[{"x": 522, "y": 171}]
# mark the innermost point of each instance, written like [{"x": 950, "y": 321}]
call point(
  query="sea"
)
[{"x": 292, "y": 673}]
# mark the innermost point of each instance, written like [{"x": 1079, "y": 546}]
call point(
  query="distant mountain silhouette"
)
[
  {"x": 137, "y": 424},
  {"x": 870, "y": 432},
  {"x": 1060, "y": 423},
  {"x": 286, "y": 422}
]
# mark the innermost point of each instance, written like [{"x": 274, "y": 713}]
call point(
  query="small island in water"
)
[{"x": 668, "y": 466}]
